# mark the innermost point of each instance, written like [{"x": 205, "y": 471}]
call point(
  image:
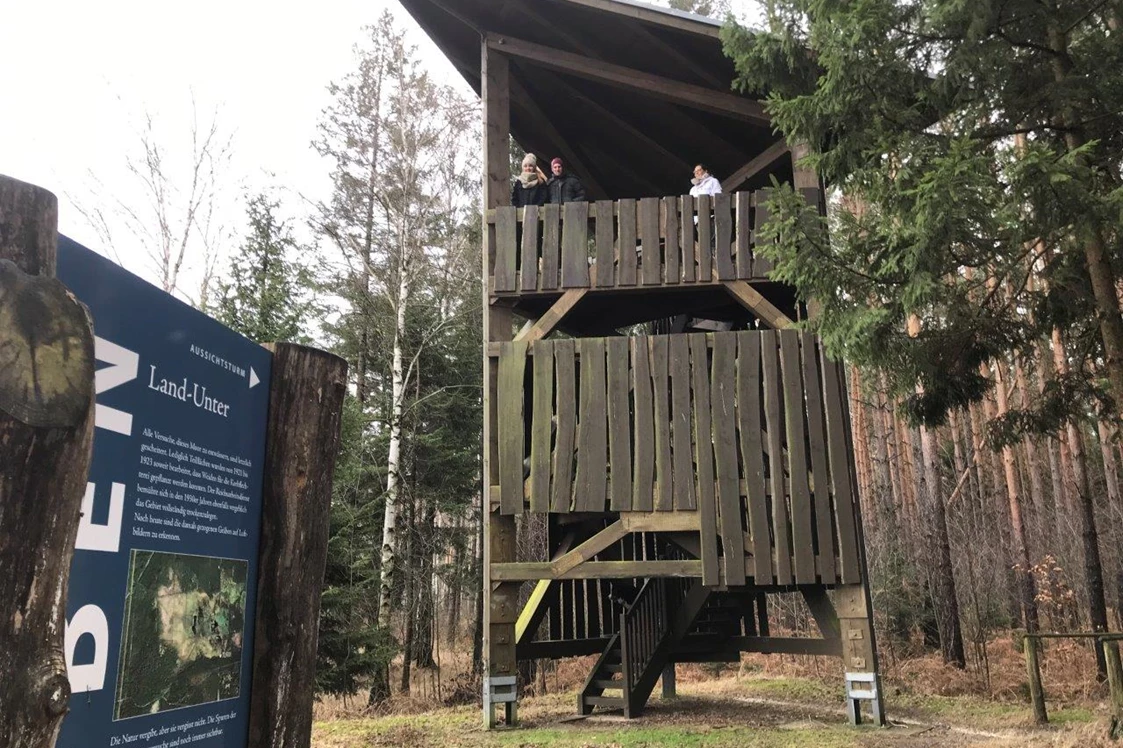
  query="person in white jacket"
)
[{"x": 704, "y": 183}]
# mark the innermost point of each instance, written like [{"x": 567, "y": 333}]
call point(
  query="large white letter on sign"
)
[
  {"x": 123, "y": 365},
  {"x": 89, "y": 677},
  {"x": 105, "y": 537}
]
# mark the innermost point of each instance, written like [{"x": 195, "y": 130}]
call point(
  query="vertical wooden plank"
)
[
  {"x": 561, "y": 487},
  {"x": 705, "y": 238},
  {"x": 505, "y": 245},
  {"x": 722, "y": 408},
  {"x": 542, "y": 404},
  {"x": 575, "y": 246},
  {"x": 662, "y": 392},
  {"x": 686, "y": 218},
  {"x": 681, "y": 417},
  {"x": 567, "y": 608},
  {"x": 649, "y": 236},
  {"x": 817, "y": 436},
  {"x": 772, "y": 397},
  {"x": 605, "y": 235},
  {"x": 619, "y": 426},
  {"x": 752, "y": 453},
  {"x": 626, "y": 245},
  {"x": 743, "y": 209},
  {"x": 761, "y": 265},
  {"x": 512, "y": 367},
  {"x": 723, "y": 237},
  {"x": 670, "y": 241},
  {"x": 834, "y": 389},
  {"x": 643, "y": 478},
  {"x": 592, "y": 437},
  {"x": 551, "y": 235},
  {"x": 579, "y": 609},
  {"x": 802, "y": 538},
  {"x": 528, "y": 268},
  {"x": 704, "y": 459}
]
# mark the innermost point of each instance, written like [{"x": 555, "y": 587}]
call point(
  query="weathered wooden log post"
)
[
  {"x": 305, "y": 411},
  {"x": 46, "y": 438},
  {"x": 1033, "y": 670},
  {"x": 1115, "y": 683}
]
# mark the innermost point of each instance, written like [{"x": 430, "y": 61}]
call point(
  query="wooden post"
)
[
  {"x": 1115, "y": 682},
  {"x": 669, "y": 690},
  {"x": 1033, "y": 670},
  {"x": 46, "y": 438},
  {"x": 305, "y": 409},
  {"x": 500, "y": 599}
]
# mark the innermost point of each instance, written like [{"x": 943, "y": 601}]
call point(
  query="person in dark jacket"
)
[
  {"x": 529, "y": 187},
  {"x": 564, "y": 188}
]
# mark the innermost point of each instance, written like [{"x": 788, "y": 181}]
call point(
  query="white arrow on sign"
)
[{"x": 254, "y": 381}]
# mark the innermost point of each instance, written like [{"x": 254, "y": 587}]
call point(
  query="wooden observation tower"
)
[{"x": 689, "y": 453}]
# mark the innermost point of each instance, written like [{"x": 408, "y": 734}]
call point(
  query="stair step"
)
[
  {"x": 609, "y": 683},
  {"x": 611, "y": 702},
  {"x": 610, "y": 667}
]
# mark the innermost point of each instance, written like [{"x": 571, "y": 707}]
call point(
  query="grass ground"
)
[{"x": 765, "y": 702}]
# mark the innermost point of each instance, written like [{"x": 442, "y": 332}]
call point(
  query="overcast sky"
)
[{"x": 76, "y": 78}]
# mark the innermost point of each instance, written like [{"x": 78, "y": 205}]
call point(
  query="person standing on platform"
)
[
  {"x": 564, "y": 188},
  {"x": 529, "y": 187},
  {"x": 704, "y": 183}
]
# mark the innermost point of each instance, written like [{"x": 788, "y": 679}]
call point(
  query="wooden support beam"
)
[
  {"x": 687, "y": 62},
  {"x": 526, "y": 571},
  {"x": 534, "y": 609},
  {"x": 557, "y": 649},
  {"x": 553, "y": 316},
  {"x": 591, "y": 547},
  {"x": 822, "y": 610},
  {"x": 687, "y": 94},
  {"x": 752, "y": 300},
  {"x": 629, "y": 522},
  {"x": 759, "y": 162}
]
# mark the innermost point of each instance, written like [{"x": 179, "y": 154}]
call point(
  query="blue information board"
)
[{"x": 160, "y": 609}]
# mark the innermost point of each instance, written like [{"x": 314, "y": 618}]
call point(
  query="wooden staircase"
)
[{"x": 666, "y": 615}]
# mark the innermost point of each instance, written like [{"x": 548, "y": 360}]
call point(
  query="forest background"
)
[{"x": 961, "y": 285}]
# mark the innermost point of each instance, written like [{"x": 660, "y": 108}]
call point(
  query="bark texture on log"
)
[
  {"x": 44, "y": 469},
  {"x": 305, "y": 411}
]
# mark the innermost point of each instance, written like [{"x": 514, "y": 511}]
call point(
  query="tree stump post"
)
[
  {"x": 305, "y": 411},
  {"x": 46, "y": 440},
  {"x": 1115, "y": 683},
  {"x": 1033, "y": 670}
]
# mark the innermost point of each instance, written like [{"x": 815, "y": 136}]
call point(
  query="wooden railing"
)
[
  {"x": 745, "y": 431},
  {"x": 643, "y": 626},
  {"x": 609, "y": 244}
]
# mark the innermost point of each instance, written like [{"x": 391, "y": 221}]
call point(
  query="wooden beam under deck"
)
[
  {"x": 752, "y": 300},
  {"x": 526, "y": 571},
  {"x": 556, "y": 313},
  {"x": 760, "y": 162},
  {"x": 687, "y": 94}
]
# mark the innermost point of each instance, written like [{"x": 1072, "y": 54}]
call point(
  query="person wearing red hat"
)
[{"x": 562, "y": 187}]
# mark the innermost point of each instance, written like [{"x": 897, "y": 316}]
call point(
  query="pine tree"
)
[{"x": 265, "y": 296}]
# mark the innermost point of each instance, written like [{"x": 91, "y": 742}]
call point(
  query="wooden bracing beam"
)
[
  {"x": 534, "y": 609},
  {"x": 628, "y": 523},
  {"x": 687, "y": 94},
  {"x": 526, "y": 571},
  {"x": 553, "y": 316},
  {"x": 752, "y": 300},
  {"x": 760, "y": 162}
]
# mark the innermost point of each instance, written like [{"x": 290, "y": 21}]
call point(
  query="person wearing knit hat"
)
[
  {"x": 562, "y": 187},
  {"x": 529, "y": 187}
]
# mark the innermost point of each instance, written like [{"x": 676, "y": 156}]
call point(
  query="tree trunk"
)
[
  {"x": 426, "y": 609},
  {"x": 1033, "y": 463},
  {"x": 1027, "y": 590},
  {"x": 1096, "y": 260},
  {"x": 393, "y": 466},
  {"x": 305, "y": 413},
  {"x": 943, "y": 586},
  {"x": 45, "y": 447},
  {"x": 1093, "y": 569}
]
